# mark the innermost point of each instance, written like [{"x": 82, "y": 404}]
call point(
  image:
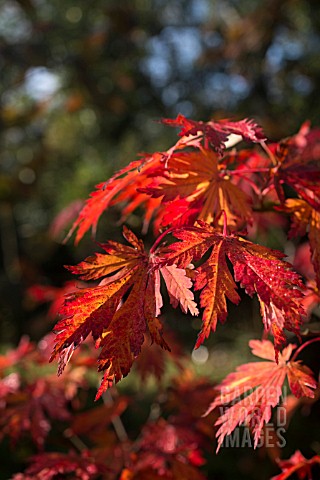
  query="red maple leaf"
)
[
  {"x": 249, "y": 394},
  {"x": 298, "y": 165},
  {"x": 216, "y": 133},
  {"x": 258, "y": 269},
  {"x": 122, "y": 186},
  {"x": 122, "y": 308},
  {"x": 299, "y": 465},
  {"x": 128, "y": 184},
  {"x": 306, "y": 219}
]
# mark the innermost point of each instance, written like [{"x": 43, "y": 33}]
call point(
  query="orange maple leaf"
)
[
  {"x": 120, "y": 310},
  {"x": 249, "y": 394},
  {"x": 258, "y": 269},
  {"x": 195, "y": 186}
]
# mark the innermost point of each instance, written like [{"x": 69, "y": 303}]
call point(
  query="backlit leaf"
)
[
  {"x": 199, "y": 180},
  {"x": 258, "y": 269},
  {"x": 216, "y": 132},
  {"x": 121, "y": 309},
  {"x": 249, "y": 394},
  {"x": 123, "y": 185}
]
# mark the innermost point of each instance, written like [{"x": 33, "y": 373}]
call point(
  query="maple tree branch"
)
[
  {"x": 116, "y": 421},
  {"x": 296, "y": 353},
  {"x": 75, "y": 440},
  {"x": 248, "y": 170}
]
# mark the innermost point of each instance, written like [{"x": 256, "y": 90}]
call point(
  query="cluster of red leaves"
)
[
  {"x": 91, "y": 444},
  {"x": 204, "y": 195},
  {"x": 173, "y": 449},
  {"x": 258, "y": 270},
  {"x": 50, "y": 466},
  {"x": 129, "y": 184},
  {"x": 169, "y": 449}
]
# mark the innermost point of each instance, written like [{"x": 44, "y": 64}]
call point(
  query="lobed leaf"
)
[
  {"x": 121, "y": 309},
  {"x": 249, "y": 394},
  {"x": 196, "y": 181},
  {"x": 216, "y": 132},
  {"x": 122, "y": 186},
  {"x": 258, "y": 269}
]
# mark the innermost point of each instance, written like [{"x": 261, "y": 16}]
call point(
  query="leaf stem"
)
[
  {"x": 159, "y": 239},
  {"x": 225, "y": 223},
  {"x": 269, "y": 153},
  {"x": 247, "y": 170},
  {"x": 296, "y": 353}
]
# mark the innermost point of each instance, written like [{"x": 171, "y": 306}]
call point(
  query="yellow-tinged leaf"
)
[{"x": 198, "y": 179}]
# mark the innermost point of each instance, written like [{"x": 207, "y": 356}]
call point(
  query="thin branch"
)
[
  {"x": 75, "y": 440},
  {"x": 248, "y": 170},
  {"x": 116, "y": 421}
]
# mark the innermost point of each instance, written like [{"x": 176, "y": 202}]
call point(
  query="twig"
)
[{"x": 116, "y": 421}]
